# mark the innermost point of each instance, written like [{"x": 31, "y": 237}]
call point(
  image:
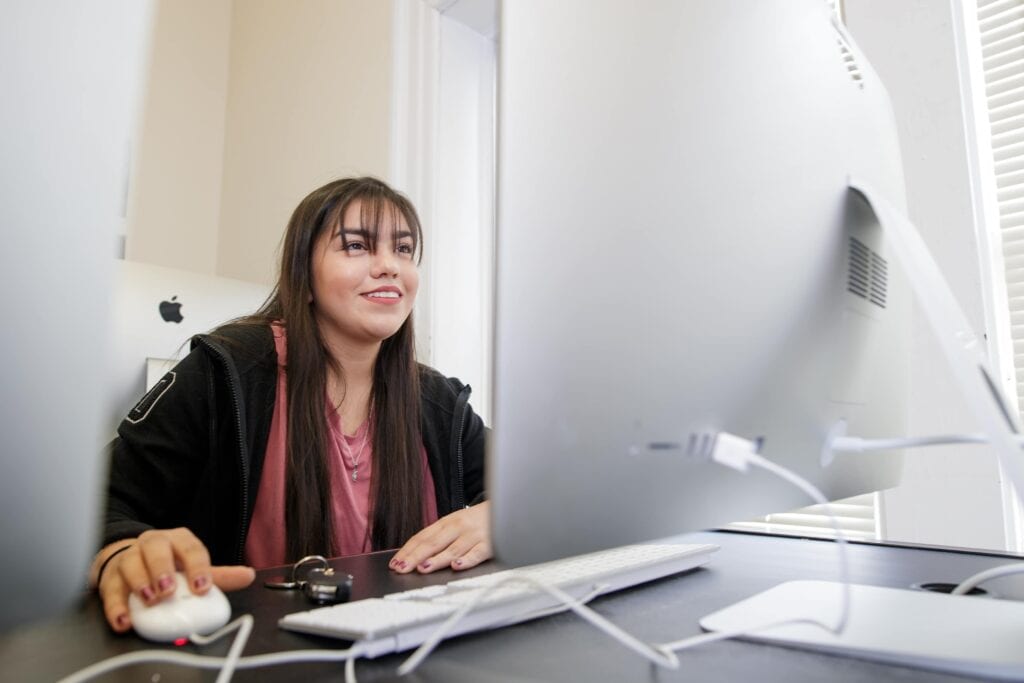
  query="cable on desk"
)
[
  {"x": 705, "y": 638},
  {"x": 244, "y": 626},
  {"x": 653, "y": 653},
  {"x": 228, "y": 664}
]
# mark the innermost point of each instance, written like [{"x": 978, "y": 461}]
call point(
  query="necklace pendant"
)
[{"x": 355, "y": 475}]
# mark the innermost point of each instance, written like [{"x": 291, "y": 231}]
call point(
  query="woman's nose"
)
[{"x": 385, "y": 263}]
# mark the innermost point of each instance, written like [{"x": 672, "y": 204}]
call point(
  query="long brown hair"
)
[{"x": 396, "y": 492}]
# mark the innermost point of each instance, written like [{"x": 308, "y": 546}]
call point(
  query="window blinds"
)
[
  {"x": 1001, "y": 27},
  {"x": 857, "y": 517}
]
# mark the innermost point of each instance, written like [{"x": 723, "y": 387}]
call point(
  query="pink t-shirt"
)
[{"x": 265, "y": 545}]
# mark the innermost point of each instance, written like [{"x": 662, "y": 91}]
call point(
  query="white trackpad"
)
[{"x": 964, "y": 634}]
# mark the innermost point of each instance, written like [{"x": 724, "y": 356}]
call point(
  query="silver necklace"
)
[{"x": 359, "y": 454}]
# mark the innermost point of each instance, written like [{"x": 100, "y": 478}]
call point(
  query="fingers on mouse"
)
[{"x": 180, "y": 615}]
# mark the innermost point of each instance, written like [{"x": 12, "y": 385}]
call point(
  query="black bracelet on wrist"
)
[{"x": 99, "y": 574}]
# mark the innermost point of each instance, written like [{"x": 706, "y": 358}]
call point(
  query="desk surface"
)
[{"x": 558, "y": 648}]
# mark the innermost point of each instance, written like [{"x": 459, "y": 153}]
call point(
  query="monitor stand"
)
[
  {"x": 963, "y": 634},
  {"x": 964, "y": 353}
]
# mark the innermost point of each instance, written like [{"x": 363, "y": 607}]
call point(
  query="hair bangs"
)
[{"x": 379, "y": 211}]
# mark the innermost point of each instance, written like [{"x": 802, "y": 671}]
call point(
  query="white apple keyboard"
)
[
  {"x": 401, "y": 621},
  {"x": 971, "y": 635}
]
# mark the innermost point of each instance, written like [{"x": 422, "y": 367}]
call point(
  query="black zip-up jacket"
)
[{"x": 191, "y": 452}]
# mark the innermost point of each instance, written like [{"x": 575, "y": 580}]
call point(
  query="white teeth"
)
[{"x": 383, "y": 295}]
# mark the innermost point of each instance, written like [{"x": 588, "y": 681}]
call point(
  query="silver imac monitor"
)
[
  {"x": 71, "y": 74},
  {"x": 678, "y": 255}
]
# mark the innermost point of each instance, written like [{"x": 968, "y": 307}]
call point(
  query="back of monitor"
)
[
  {"x": 678, "y": 255},
  {"x": 72, "y": 79}
]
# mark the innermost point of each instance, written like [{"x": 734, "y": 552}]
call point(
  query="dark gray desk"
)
[{"x": 558, "y": 648}]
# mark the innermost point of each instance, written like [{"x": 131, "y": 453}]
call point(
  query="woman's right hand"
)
[{"x": 147, "y": 567}]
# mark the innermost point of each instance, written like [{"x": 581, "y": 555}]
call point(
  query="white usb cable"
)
[
  {"x": 228, "y": 664},
  {"x": 737, "y": 453}
]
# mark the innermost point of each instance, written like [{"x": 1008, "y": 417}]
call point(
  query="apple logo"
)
[{"x": 170, "y": 311}]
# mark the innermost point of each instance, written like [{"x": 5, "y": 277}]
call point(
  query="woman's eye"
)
[
  {"x": 404, "y": 249},
  {"x": 354, "y": 246}
]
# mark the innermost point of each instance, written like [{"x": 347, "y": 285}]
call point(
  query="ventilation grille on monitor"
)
[
  {"x": 869, "y": 273},
  {"x": 849, "y": 61}
]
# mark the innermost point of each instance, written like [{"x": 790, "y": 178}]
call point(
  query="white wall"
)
[
  {"x": 308, "y": 102},
  {"x": 950, "y": 496},
  {"x": 461, "y": 241},
  {"x": 174, "y": 210},
  {"x": 250, "y": 106},
  {"x": 443, "y": 158}
]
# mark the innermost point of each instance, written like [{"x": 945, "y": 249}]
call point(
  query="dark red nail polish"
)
[
  {"x": 425, "y": 564},
  {"x": 122, "y": 620},
  {"x": 165, "y": 582},
  {"x": 147, "y": 593},
  {"x": 201, "y": 582}
]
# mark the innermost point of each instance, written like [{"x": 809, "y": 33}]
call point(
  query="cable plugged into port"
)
[{"x": 733, "y": 451}]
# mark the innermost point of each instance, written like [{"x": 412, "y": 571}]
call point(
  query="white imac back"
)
[
  {"x": 677, "y": 256},
  {"x": 156, "y": 311}
]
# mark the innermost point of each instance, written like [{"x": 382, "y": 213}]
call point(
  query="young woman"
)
[{"x": 306, "y": 428}]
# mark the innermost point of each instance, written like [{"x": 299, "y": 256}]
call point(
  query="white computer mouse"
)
[{"x": 181, "y": 614}]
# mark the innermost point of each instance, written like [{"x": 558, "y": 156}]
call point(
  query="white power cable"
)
[
  {"x": 705, "y": 638},
  {"x": 737, "y": 453},
  {"x": 227, "y": 664},
  {"x": 819, "y": 498},
  {"x": 965, "y": 586},
  {"x": 853, "y": 444},
  {"x": 244, "y": 626},
  {"x": 653, "y": 653}
]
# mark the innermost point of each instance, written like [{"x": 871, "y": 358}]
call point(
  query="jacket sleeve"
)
[{"x": 161, "y": 448}]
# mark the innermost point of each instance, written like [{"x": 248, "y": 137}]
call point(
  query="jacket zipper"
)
[
  {"x": 459, "y": 499},
  {"x": 240, "y": 548}
]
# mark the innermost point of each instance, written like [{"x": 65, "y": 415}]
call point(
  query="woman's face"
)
[{"x": 362, "y": 297}]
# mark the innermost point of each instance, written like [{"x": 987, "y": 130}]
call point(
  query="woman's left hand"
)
[{"x": 460, "y": 540}]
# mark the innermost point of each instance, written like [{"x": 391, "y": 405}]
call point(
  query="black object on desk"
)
[{"x": 557, "y": 648}]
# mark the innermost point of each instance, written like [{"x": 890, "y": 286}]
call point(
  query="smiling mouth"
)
[{"x": 383, "y": 295}]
